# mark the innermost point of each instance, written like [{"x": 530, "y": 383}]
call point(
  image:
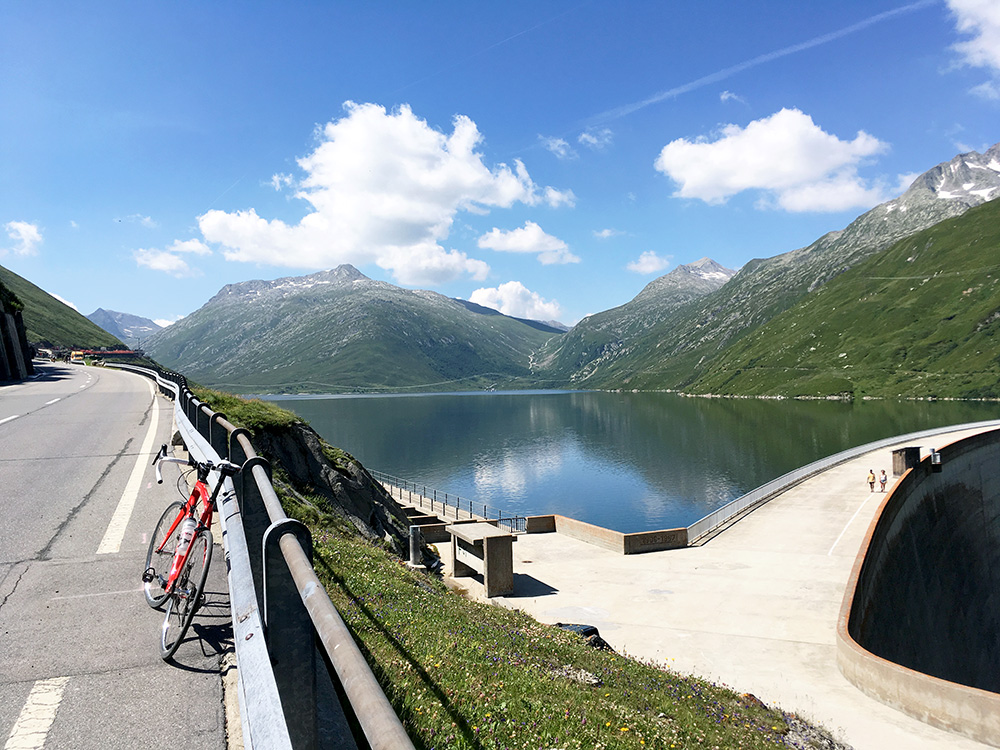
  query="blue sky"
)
[{"x": 548, "y": 159}]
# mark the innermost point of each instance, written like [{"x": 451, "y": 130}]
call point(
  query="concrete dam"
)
[{"x": 920, "y": 624}]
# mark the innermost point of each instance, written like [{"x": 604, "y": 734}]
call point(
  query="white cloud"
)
[
  {"x": 729, "y": 96},
  {"x": 798, "y": 165},
  {"x": 161, "y": 260},
  {"x": 979, "y": 19},
  {"x": 530, "y": 238},
  {"x": 596, "y": 139},
  {"x": 384, "y": 187},
  {"x": 165, "y": 322},
  {"x": 648, "y": 262},
  {"x": 989, "y": 90},
  {"x": 170, "y": 261},
  {"x": 65, "y": 301},
  {"x": 145, "y": 221},
  {"x": 559, "y": 147},
  {"x": 27, "y": 237},
  {"x": 516, "y": 300},
  {"x": 604, "y": 234},
  {"x": 280, "y": 181},
  {"x": 189, "y": 246},
  {"x": 904, "y": 181}
]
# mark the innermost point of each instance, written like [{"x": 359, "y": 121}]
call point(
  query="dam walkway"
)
[{"x": 755, "y": 608}]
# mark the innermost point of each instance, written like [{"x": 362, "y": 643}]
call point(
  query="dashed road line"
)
[
  {"x": 10, "y": 418},
  {"x": 35, "y": 720}
]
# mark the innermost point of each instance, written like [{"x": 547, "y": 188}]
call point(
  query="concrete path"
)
[{"x": 755, "y": 608}]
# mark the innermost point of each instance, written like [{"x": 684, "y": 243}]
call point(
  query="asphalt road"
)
[{"x": 79, "y": 659}]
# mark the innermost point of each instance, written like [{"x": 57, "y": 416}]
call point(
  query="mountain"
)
[
  {"x": 598, "y": 341},
  {"x": 339, "y": 330},
  {"x": 49, "y": 322},
  {"x": 920, "y": 319},
  {"x": 679, "y": 346},
  {"x": 131, "y": 329}
]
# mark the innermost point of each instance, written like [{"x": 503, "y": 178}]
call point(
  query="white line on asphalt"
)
[
  {"x": 49, "y": 403},
  {"x": 844, "y": 531},
  {"x": 112, "y": 540},
  {"x": 102, "y": 593},
  {"x": 10, "y": 418},
  {"x": 35, "y": 720}
]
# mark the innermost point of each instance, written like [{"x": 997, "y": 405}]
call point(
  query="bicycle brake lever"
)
[{"x": 160, "y": 453}]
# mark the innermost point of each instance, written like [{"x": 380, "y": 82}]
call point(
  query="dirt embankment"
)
[{"x": 313, "y": 467}]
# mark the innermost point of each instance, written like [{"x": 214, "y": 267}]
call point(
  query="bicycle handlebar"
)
[{"x": 226, "y": 468}]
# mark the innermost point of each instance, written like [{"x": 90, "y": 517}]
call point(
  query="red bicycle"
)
[{"x": 180, "y": 550}]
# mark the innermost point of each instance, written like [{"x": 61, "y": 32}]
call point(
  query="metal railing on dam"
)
[
  {"x": 730, "y": 511},
  {"x": 451, "y": 503},
  {"x": 280, "y": 610}
]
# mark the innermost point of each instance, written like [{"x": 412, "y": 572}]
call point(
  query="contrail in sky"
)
[{"x": 614, "y": 114}]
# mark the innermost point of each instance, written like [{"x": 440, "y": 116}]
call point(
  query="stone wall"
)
[{"x": 15, "y": 354}]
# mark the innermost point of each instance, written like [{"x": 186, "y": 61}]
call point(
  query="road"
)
[{"x": 79, "y": 660}]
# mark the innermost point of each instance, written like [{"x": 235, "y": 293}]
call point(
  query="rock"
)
[{"x": 349, "y": 491}]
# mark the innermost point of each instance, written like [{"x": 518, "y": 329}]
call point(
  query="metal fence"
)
[
  {"x": 446, "y": 503},
  {"x": 280, "y": 609}
]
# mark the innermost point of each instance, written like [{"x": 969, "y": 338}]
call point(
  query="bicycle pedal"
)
[{"x": 148, "y": 575}]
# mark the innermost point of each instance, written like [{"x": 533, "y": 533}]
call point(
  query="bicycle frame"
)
[{"x": 199, "y": 494}]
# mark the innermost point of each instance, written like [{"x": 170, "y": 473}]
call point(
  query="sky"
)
[{"x": 548, "y": 159}]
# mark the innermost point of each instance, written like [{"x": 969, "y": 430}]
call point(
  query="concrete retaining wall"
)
[
  {"x": 920, "y": 623},
  {"x": 616, "y": 541}
]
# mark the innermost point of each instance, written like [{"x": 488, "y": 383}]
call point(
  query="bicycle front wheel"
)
[
  {"x": 187, "y": 594},
  {"x": 158, "y": 561}
]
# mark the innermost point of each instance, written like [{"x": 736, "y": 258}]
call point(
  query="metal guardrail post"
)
[
  {"x": 218, "y": 436},
  {"x": 290, "y": 635},
  {"x": 255, "y": 519}
]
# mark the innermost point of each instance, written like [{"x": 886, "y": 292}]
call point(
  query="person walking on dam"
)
[
  {"x": 882, "y": 479},
  {"x": 871, "y": 479}
]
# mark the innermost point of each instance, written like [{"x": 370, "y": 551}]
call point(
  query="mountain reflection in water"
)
[{"x": 625, "y": 461}]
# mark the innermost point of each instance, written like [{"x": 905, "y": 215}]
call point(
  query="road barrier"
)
[{"x": 279, "y": 607}]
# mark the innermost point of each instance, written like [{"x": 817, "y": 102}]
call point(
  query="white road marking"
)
[
  {"x": 89, "y": 596},
  {"x": 844, "y": 531},
  {"x": 9, "y": 419},
  {"x": 112, "y": 540},
  {"x": 33, "y": 724},
  {"x": 49, "y": 403}
]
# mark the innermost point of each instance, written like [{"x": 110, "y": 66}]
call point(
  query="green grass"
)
[
  {"x": 250, "y": 413},
  {"x": 918, "y": 320},
  {"x": 461, "y": 674}
]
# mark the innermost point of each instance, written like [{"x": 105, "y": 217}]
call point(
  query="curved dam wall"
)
[{"x": 920, "y": 625}]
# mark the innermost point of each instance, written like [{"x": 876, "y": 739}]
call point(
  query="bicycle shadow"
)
[{"x": 211, "y": 630}]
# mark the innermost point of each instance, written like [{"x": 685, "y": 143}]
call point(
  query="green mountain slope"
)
[
  {"x": 920, "y": 319},
  {"x": 680, "y": 347},
  {"x": 50, "y": 322},
  {"x": 338, "y": 331}
]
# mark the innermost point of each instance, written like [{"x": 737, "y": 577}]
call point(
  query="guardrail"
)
[
  {"x": 453, "y": 503},
  {"x": 280, "y": 609}
]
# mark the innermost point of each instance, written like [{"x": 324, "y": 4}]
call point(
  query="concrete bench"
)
[{"x": 483, "y": 548}]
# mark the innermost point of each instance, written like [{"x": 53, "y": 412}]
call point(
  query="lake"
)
[{"x": 624, "y": 461}]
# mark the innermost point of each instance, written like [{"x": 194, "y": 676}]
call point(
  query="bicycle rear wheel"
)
[
  {"x": 158, "y": 563},
  {"x": 187, "y": 594}
]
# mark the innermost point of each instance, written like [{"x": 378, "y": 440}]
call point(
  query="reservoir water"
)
[{"x": 625, "y": 461}]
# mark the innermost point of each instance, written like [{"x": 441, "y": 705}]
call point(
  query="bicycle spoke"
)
[{"x": 187, "y": 594}]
